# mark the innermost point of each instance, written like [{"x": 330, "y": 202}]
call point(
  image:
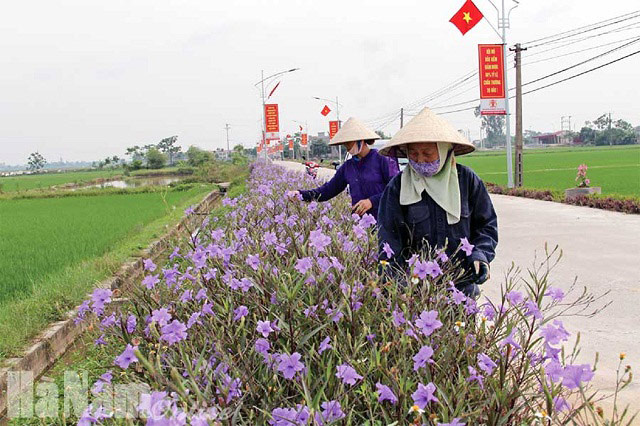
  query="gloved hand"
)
[
  {"x": 482, "y": 272},
  {"x": 470, "y": 290}
]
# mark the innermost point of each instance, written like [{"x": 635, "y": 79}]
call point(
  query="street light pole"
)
[
  {"x": 264, "y": 118},
  {"x": 338, "y": 117}
]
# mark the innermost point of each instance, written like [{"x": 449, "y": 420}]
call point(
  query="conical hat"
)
[
  {"x": 427, "y": 127},
  {"x": 353, "y": 130}
]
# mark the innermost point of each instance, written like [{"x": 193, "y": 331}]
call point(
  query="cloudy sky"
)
[{"x": 82, "y": 79}]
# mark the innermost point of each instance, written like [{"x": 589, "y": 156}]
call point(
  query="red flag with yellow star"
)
[{"x": 467, "y": 17}]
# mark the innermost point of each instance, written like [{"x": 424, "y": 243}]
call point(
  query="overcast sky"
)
[{"x": 83, "y": 79}]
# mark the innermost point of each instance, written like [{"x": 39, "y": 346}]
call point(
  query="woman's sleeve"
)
[
  {"x": 388, "y": 170},
  {"x": 335, "y": 186},
  {"x": 484, "y": 222}
]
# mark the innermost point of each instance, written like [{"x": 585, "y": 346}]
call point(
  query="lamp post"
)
[
  {"x": 306, "y": 129},
  {"x": 337, "y": 104},
  {"x": 264, "y": 119}
]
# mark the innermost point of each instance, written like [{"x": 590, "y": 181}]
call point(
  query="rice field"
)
[
  {"x": 615, "y": 169},
  {"x": 45, "y": 180},
  {"x": 42, "y": 236}
]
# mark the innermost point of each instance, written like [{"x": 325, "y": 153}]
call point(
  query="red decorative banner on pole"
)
[
  {"x": 491, "y": 72},
  {"x": 325, "y": 111},
  {"x": 303, "y": 139},
  {"x": 272, "y": 122},
  {"x": 333, "y": 128}
]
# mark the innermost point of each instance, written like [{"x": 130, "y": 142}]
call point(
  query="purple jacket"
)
[{"x": 366, "y": 178}]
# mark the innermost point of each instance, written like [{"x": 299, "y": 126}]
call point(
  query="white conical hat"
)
[
  {"x": 353, "y": 130},
  {"x": 427, "y": 127}
]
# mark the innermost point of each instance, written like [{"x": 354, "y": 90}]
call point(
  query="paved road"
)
[{"x": 600, "y": 248}]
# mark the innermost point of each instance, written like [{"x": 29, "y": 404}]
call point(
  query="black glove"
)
[{"x": 483, "y": 273}]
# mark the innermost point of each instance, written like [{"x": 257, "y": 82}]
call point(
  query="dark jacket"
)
[
  {"x": 366, "y": 178},
  {"x": 405, "y": 227}
]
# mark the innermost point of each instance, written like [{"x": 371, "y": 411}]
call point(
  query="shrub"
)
[{"x": 276, "y": 314}]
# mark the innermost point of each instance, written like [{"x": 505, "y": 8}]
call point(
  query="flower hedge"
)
[{"x": 277, "y": 314}]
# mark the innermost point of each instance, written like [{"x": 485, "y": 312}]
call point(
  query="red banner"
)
[
  {"x": 303, "y": 139},
  {"x": 290, "y": 141},
  {"x": 333, "y": 128},
  {"x": 271, "y": 120},
  {"x": 491, "y": 71}
]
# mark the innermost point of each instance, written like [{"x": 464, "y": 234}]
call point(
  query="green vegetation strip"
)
[
  {"x": 53, "y": 251},
  {"x": 615, "y": 169},
  {"x": 45, "y": 180},
  {"x": 84, "y": 356}
]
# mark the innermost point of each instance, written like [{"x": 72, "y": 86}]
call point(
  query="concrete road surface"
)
[{"x": 601, "y": 249}]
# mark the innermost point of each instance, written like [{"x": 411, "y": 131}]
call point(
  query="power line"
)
[
  {"x": 578, "y": 51},
  {"x": 583, "y": 62},
  {"x": 582, "y": 73},
  {"x": 624, "y": 17}
]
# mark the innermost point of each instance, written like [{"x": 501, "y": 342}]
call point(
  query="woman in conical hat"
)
[
  {"x": 366, "y": 172},
  {"x": 437, "y": 201}
]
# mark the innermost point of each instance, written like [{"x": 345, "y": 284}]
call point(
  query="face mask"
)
[
  {"x": 356, "y": 148},
  {"x": 425, "y": 169}
]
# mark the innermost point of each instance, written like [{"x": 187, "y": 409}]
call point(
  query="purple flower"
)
[
  {"x": 510, "y": 341},
  {"x": 428, "y": 322},
  {"x": 475, "y": 377},
  {"x": 554, "y": 370},
  {"x": 290, "y": 416},
  {"x": 240, "y": 312},
  {"x": 245, "y": 284},
  {"x": 574, "y": 375},
  {"x": 421, "y": 269},
  {"x": 264, "y": 327},
  {"x": 532, "y": 309},
  {"x": 253, "y": 261},
  {"x": 554, "y": 334},
  {"x": 457, "y": 296},
  {"x": 385, "y": 394},
  {"x": 556, "y": 294},
  {"x": 455, "y": 422},
  {"x": 318, "y": 240},
  {"x": 262, "y": 346},
  {"x": 174, "y": 332},
  {"x": 424, "y": 395},
  {"x": 270, "y": 238},
  {"x": 150, "y": 281},
  {"x": 466, "y": 246},
  {"x": 560, "y": 404},
  {"x": 485, "y": 363},
  {"x": 347, "y": 374},
  {"x": 442, "y": 257},
  {"x": 331, "y": 412},
  {"x": 398, "y": 318},
  {"x": 189, "y": 211},
  {"x": 100, "y": 297},
  {"x": 290, "y": 365},
  {"x": 127, "y": 357},
  {"x": 161, "y": 316},
  {"x": 324, "y": 345},
  {"x": 303, "y": 265},
  {"x": 422, "y": 358},
  {"x": 433, "y": 269},
  {"x": 388, "y": 251},
  {"x": 149, "y": 265},
  {"x": 514, "y": 297},
  {"x": 187, "y": 295},
  {"x": 367, "y": 221},
  {"x": 131, "y": 323}
]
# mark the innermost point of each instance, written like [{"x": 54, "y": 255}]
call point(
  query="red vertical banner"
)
[
  {"x": 303, "y": 139},
  {"x": 290, "y": 141},
  {"x": 272, "y": 122},
  {"x": 491, "y": 72},
  {"x": 333, "y": 128}
]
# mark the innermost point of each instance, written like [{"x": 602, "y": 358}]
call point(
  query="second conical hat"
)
[
  {"x": 353, "y": 130},
  {"x": 427, "y": 126}
]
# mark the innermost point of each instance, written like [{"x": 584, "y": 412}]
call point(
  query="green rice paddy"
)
[{"x": 615, "y": 169}]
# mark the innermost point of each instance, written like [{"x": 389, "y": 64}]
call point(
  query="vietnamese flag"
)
[
  {"x": 325, "y": 111},
  {"x": 467, "y": 17}
]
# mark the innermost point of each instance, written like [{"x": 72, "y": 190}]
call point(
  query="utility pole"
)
[
  {"x": 609, "y": 136},
  {"x": 226, "y": 126},
  {"x": 401, "y": 117},
  {"x": 519, "y": 136}
]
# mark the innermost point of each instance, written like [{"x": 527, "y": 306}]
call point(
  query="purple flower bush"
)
[{"x": 276, "y": 313}]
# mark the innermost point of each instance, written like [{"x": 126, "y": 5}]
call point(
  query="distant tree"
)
[
  {"x": 601, "y": 122},
  {"x": 382, "y": 134},
  {"x": 115, "y": 160},
  {"x": 155, "y": 159},
  {"x": 587, "y": 134},
  {"x": 493, "y": 125},
  {"x": 238, "y": 156},
  {"x": 169, "y": 147},
  {"x": 36, "y": 161},
  {"x": 135, "y": 152},
  {"x": 197, "y": 157}
]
